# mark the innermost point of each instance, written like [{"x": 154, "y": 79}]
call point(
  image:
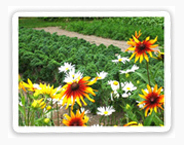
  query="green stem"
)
[
  {"x": 32, "y": 117},
  {"x": 80, "y": 108},
  {"x": 28, "y": 110},
  {"x": 119, "y": 79},
  {"x": 148, "y": 73},
  {"x": 51, "y": 111},
  {"x": 57, "y": 113},
  {"x": 69, "y": 108}
]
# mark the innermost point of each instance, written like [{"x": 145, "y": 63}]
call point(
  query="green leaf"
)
[
  {"x": 158, "y": 68},
  {"x": 23, "y": 100},
  {"x": 148, "y": 120},
  {"x": 145, "y": 78},
  {"x": 157, "y": 120},
  {"x": 21, "y": 109}
]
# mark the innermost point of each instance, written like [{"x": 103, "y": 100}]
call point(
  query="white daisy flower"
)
[
  {"x": 121, "y": 59},
  {"x": 20, "y": 103},
  {"x": 59, "y": 102},
  {"x": 106, "y": 111},
  {"x": 141, "y": 105},
  {"x": 48, "y": 115},
  {"x": 36, "y": 86},
  {"x": 129, "y": 87},
  {"x": 58, "y": 90},
  {"x": 67, "y": 66},
  {"x": 125, "y": 95},
  {"x": 86, "y": 111},
  {"x": 101, "y": 75},
  {"x": 114, "y": 94},
  {"x": 71, "y": 76},
  {"x": 97, "y": 125},
  {"x": 133, "y": 69},
  {"x": 114, "y": 84}
]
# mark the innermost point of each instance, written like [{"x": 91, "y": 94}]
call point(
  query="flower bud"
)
[
  {"x": 127, "y": 106},
  {"x": 46, "y": 120},
  {"x": 127, "y": 75},
  {"x": 49, "y": 107}
]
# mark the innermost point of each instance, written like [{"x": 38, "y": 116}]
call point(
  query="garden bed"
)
[{"x": 114, "y": 81}]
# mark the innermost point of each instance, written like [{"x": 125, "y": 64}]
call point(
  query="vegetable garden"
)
[{"x": 60, "y": 72}]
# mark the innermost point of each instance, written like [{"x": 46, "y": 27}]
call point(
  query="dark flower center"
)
[
  {"x": 74, "y": 86},
  {"x": 162, "y": 56},
  {"x": 142, "y": 46},
  {"x": 153, "y": 99},
  {"x": 75, "y": 124}
]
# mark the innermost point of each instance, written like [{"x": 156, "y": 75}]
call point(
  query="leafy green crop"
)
[{"x": 119, "y": 28}]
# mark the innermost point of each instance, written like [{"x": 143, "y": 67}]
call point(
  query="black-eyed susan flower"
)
[
  {"x": 76, "y": 90},
  {"x": 134, "y": 123},
  {"x": 160, "y": 56},
  {"x": 153, "y": 99},
  {"x": 75, "y": 120},
  {"x": 30, "y": 86},
  {"x": 137, "y": 35},
  {"x": 141, "y": 48}
]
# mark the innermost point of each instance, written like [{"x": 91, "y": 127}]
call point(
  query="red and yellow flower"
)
[
  {"x": 140, "y": 48},
  {"x": 76, "y": 90},
  {"x": 133, "y": 123},
  {"x": 75, "y": 120},
  {"x": 137, "y": 35},
  {"x": 153, "y": 99}
]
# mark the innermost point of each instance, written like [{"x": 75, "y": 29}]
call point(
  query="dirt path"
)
[{"x": 90, "y": 38}]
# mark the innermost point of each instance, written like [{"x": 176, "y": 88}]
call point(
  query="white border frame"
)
[{"x": 167, "y": 71}]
